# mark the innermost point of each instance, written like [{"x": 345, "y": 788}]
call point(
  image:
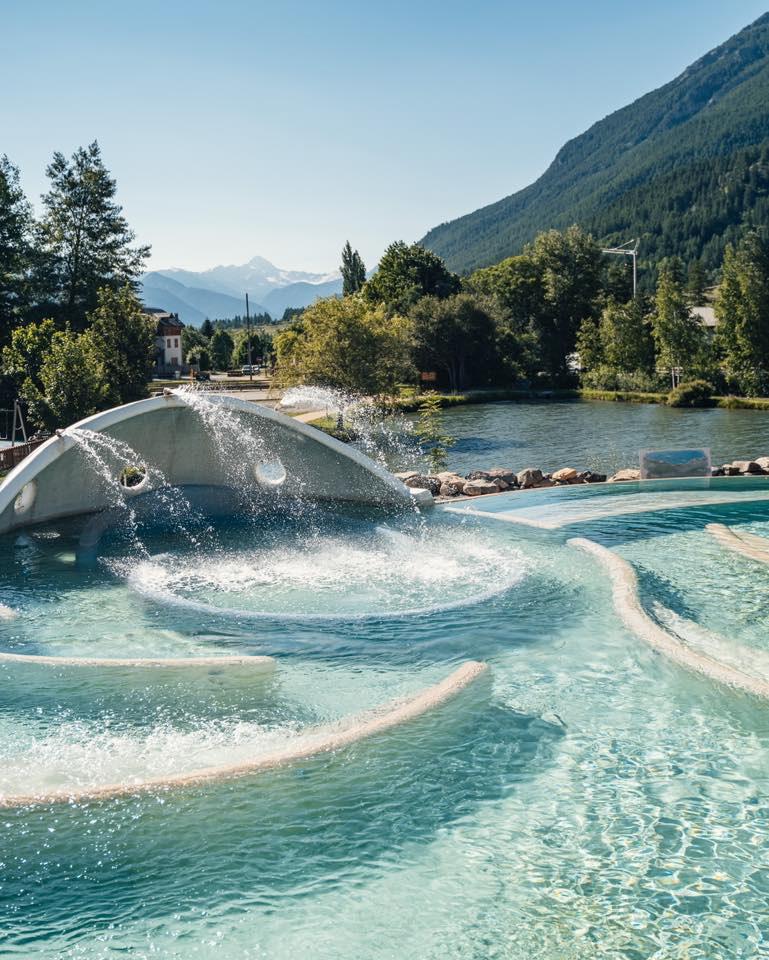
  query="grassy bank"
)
[{"x": 408, "y": 404}]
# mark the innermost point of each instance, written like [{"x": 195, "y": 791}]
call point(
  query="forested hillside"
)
[{"x": 683, "y": 167}]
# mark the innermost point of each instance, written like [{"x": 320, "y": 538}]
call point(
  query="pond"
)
[{"x": 598, "y": 435}]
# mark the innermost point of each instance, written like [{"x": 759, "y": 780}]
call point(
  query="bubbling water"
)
[{"x": 378, "y": 572}]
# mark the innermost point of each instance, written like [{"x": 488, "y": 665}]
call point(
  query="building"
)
[
  {"x": 169, "y": 356},
  {"x": 708, "y": 319}
]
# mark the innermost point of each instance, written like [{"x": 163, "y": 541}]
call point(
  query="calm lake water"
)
[{"x": 599, "y": 436}]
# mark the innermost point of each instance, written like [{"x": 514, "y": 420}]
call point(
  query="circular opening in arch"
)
[
  {"x": 25, "y": 497},
  {"x": 270, "y": 473},
  {"x": 133, "y": 478}
]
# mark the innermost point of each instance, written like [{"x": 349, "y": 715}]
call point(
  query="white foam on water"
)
[
  {"x": 386, "y": 574},
  {"x": 78, "y": 754}
]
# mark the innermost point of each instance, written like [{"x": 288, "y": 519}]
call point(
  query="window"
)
[
  {"x": 176, "y": 341},
  {"x": 168, "y": 342}
]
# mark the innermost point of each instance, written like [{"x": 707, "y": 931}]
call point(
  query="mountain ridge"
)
[{"x": 714, "y": 108}]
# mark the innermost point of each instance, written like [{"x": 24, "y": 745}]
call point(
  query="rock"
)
[
  {"x": 729, "y": 470},
  {"x": 477, "y": 488},
  {"x": 544, "y": 482},
  {"x": 449, "y": 489},
  {"x": 716, "y": 471},
  {"x": 500, "y": 484},
  {"x": 479, "y": 475},
  {"x": 405, "y": 475},
  {"x": 424, "y": 482},
  {"x": 763, "y": 462},
  {"x": 630, "y": 473},
  {"x": 745, "y": 467},
  {"x": 502, "y": 473},
  {"x": 530, "y": 477},
  {"x": 453, "y": 480},
  {"x": 566, "y": 475},
  {"x": 587, "y": 476}
]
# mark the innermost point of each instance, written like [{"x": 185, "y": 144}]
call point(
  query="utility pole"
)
[
  {"x": 626, "y": 250},
  {"x": 248, "y": 333}
]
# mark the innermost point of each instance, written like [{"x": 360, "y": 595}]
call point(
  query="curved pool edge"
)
[
  {"x": 628, "y": 606},
  {"x": 746, "y": 544},
  {"x": 318, "y": 741}
]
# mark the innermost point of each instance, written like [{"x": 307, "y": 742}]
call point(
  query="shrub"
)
[{"x": 694, "y": 393}]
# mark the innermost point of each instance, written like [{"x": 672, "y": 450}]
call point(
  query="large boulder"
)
[
  {"x": 424, "y": 481},
  {"x": 508, "y": 477},
  {"x": 530, "y": 477},
  {"x": 451, "y": 484},
  {"x": 477, "y": 488},
  {"x": 588, "y": 476},
  {"x": 763, "y": 462},
  {"x": 630, "y": 473},
  {"x": 745, "y": 467},
  {"x": 565, "y": 475}
]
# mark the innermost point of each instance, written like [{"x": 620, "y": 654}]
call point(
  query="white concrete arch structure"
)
[{"x": 53, "y": 482}]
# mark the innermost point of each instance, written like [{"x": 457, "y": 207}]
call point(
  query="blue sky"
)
[{"x": 283, "y": 129}]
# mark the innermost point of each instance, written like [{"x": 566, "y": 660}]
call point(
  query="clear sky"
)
[{"x": 241, "y": 127}]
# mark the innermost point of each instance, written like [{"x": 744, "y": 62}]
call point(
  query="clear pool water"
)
[{"x": 589, "y": 799}]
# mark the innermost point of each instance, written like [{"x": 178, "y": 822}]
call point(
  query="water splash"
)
[
  {"x": 109, "y": 457},
  {"x": 386, "y": 437}
]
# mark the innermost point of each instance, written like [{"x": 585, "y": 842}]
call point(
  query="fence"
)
[{"x": 11, "y": 456}]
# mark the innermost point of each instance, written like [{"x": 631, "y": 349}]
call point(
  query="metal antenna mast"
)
[{"x": 629, "y": 249}]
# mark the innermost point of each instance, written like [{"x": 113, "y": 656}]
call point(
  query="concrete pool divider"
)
[
  {"x": 320, "y": 740},
  {"x": 627, "y": 603},
  {"x": 747, "y": 544}
]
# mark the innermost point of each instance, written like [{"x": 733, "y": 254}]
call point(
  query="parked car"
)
[
  {"x": 246, "y": 369},
  {"x": 202, "y": 377}
]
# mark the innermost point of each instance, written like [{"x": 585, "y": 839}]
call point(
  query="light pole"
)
[
  {"x": 248, "y": 335},
  {"x": 626, "y": 250}
]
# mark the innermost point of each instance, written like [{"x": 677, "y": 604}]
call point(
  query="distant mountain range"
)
[
  {"x": 683, "y": 168},
  {"x": 220, "y": 292}
]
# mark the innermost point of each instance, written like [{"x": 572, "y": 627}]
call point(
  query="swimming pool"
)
[{"x": 586, "y": 796}]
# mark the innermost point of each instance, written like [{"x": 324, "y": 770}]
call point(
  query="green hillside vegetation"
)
[{"x": 684, "y": 168}]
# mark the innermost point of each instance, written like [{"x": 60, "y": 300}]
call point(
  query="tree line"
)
[
  {"x": 73, "y": 334},
  {"x": 555, "y": 315}
]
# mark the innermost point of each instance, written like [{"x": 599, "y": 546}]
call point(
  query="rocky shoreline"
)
[{"x": 446, "y": 485}]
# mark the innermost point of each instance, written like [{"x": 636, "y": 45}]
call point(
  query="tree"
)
[
  {"x": 70, "y": 387},
  {"x": 221, "y": 347},
  {"x": 85, "y": 242},
  {"x": 346, "y": 344},
  {"x": 678, "y": 335},
  {"x": 260, "y": 345},
  {"x": 191, "y": 337},
  {"x": 456, "y": 335},
  {"x": 742, "y": 308},
  {"x": 15, "y": 249},
  {"x": 696, "y": 284},
  {"x": 626, "y": 336},
  {"x": 569, "y": 265},
  {"x": 121, "y": 343},
  {"x": 353, "y": 271},
  {"x": 429, "y": 430},
  {"x": 23, "y": 357},
  {"x": 206, "y": 329},
  {"x": 200, "y": 357},
  {"x": 407, "y": 273}
]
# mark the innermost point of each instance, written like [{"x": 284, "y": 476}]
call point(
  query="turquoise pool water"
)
[{"x": 587, "y": 799}]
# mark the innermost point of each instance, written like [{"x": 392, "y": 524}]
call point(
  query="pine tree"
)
[
  {"x": 84, "y": 240},
  {"x": 353, "y": 271},
  {"x": 207, "y": 328}
]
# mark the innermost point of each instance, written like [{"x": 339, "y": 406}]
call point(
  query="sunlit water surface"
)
[{"x": 587, "y": 800}]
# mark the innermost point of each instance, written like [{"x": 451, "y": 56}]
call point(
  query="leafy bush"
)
[
  {"x": 694, "y": 393},
  {"x": 604, "y": 377}
]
